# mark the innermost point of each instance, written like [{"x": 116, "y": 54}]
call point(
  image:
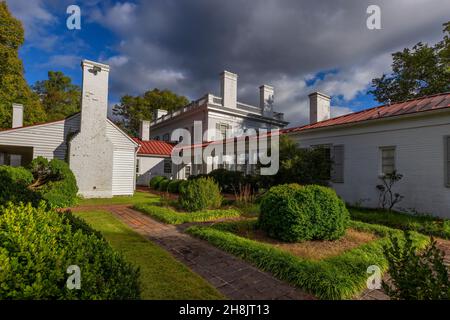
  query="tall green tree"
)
[
  {"x": 58, "y": 95},
  {"x": 13, "y": 86},
  {"x": 420, "y": 71},
  {"x": 133, "y": 109}
]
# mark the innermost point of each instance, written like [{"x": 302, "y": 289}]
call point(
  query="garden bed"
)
[
  {"x": 425, "y": 224},
  {"x": 172, "y": 216},
  {"x": 339, "y": 276}
]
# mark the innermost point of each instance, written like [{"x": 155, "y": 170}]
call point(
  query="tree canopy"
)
[
  {"x": 133, "y": 109},
  {"x": 420, "y": 71},
  {"x": 13, "y": 86},
  {"x": 60, "y": 98}
]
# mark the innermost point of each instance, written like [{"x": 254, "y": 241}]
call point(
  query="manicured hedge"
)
[
  {"x": 38, "y": 245},
  {"x": 170, "y": 216},
  {"x": 154, "y": 182},
  {"x": 59, "y": 187},
  {"x": 297, "y": 213},
  {"x": 425, "y": 224},
  {"x": 338, "y": 277},
  {"x": 200, "y": 194},
  {"x": 13, "y": 185},
  {"x": 174, "y": 186},
  {"x": 163, "y": 185}
]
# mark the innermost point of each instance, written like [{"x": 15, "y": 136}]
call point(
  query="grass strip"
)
[
  {"x": 168, "y": 215},
  {"x": 338, "y": 277}
]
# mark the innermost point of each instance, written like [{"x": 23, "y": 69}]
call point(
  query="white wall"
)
[
  {"x": 48, "y": 140},
  {"x": 419, "y": 157}
]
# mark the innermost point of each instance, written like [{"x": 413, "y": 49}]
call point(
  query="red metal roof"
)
[
  {"x": 424, "y": 104},
  {"x": 154, "y": 147}
]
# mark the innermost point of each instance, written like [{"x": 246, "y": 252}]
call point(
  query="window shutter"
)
[
  {"x": 447, "y": 161},
  {"x": 337, "y": 172}
]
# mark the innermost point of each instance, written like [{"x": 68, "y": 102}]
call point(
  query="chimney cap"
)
[
  {"x": 264, "y": 86},
  {"x": 317, "y": 93},
  {"x": 90, "y": 63},
  {"x": 229, "y": 74}
]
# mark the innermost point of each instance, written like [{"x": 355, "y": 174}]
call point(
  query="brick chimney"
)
[
  {"x": 144, "y": 130},
  {"x": 228, "y": 89},
  {"x": 319, "y": 107},
  {"x": 266, "y": 99},
  {"x": 17, "y": 115}
]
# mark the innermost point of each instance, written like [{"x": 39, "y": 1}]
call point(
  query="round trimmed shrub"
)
[
  {"x": 38, "y": 245},
  {"x": 54, "y": 181},
  {"x": 13, "y": 185},
  {"x": 163, "y": 184},
  {"x": 200, "y": 194},
  {"x": 294, "y": 213},
  {"x": 154, "y": 182},
  {"x": 174, "y": 186}
]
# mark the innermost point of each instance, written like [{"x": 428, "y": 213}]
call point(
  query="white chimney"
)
[
  {"x": 158, "y": 113},
  {"x": 144, "y": 130},
  {"x": 228, "y": 89},
  {"x": 266, "y": 99},
  {"x": 94, "y": 100},
  {"x": 319, "y": 107},
  {"x": 17, "y": 115}
]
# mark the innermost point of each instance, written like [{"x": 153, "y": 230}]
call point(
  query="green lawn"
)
[
  {"x": 138, "y": 197},
  {"x": 162, "y": 277},
  {"x": 425, "y": 224}
]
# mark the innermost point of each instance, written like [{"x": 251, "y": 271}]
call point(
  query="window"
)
[
  {"x": 166, "y": 137},
  {"x": 337, "y": 172},
  {"x": 157, "y": 138},
  {"x": 138, "y": 165},
  {"x": 387, "y": 160},
  {"x": 167, "y": 166},
  {"x": 187, "y": 172},
  {"x": 221, "y": 130},
  {"x": 447, "y": 161}
]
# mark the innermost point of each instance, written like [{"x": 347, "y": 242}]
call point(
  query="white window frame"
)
[{"x": 384, "y": 148}]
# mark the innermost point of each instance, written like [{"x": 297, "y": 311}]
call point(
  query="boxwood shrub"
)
[
  {"x": 294, "y": 213},
  {"x": 37, "y": 246},
  {"x": 163, "y": 184},
  {"x": 54, "y": 181},
  {"x": 174, "y": 186},
  {"x": 154, "y": 182},
  {"x": 200, "y": 194},
  {"x": 13, "y": 185}
]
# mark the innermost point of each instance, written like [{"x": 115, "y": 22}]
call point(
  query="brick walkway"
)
[{"x": 233, "y": 277}]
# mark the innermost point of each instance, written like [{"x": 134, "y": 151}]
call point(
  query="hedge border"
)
[
  {"x": 339, "y": 277},
  {"x": 171, "y": 216}
]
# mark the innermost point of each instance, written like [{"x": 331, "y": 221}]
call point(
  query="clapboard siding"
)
[
  {"x": 124, "y": 161},
  {"x": 48, "y": 140}
]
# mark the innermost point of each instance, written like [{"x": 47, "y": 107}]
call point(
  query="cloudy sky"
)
[{"x": 296, "y": 46}]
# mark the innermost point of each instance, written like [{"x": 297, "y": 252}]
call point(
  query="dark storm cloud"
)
[{"x": 184, "y": 45}]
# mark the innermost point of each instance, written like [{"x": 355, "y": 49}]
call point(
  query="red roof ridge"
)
[{"x": 324, "y": 123}]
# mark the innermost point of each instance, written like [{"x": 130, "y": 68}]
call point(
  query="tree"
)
[
  {"x": 58, "y": 95},
  {"x": 13, "y": 86},
  {"x": 420, "y": 71},
  {"x": 134, "y": 109},
  {"x": 303, "y": 166}
]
